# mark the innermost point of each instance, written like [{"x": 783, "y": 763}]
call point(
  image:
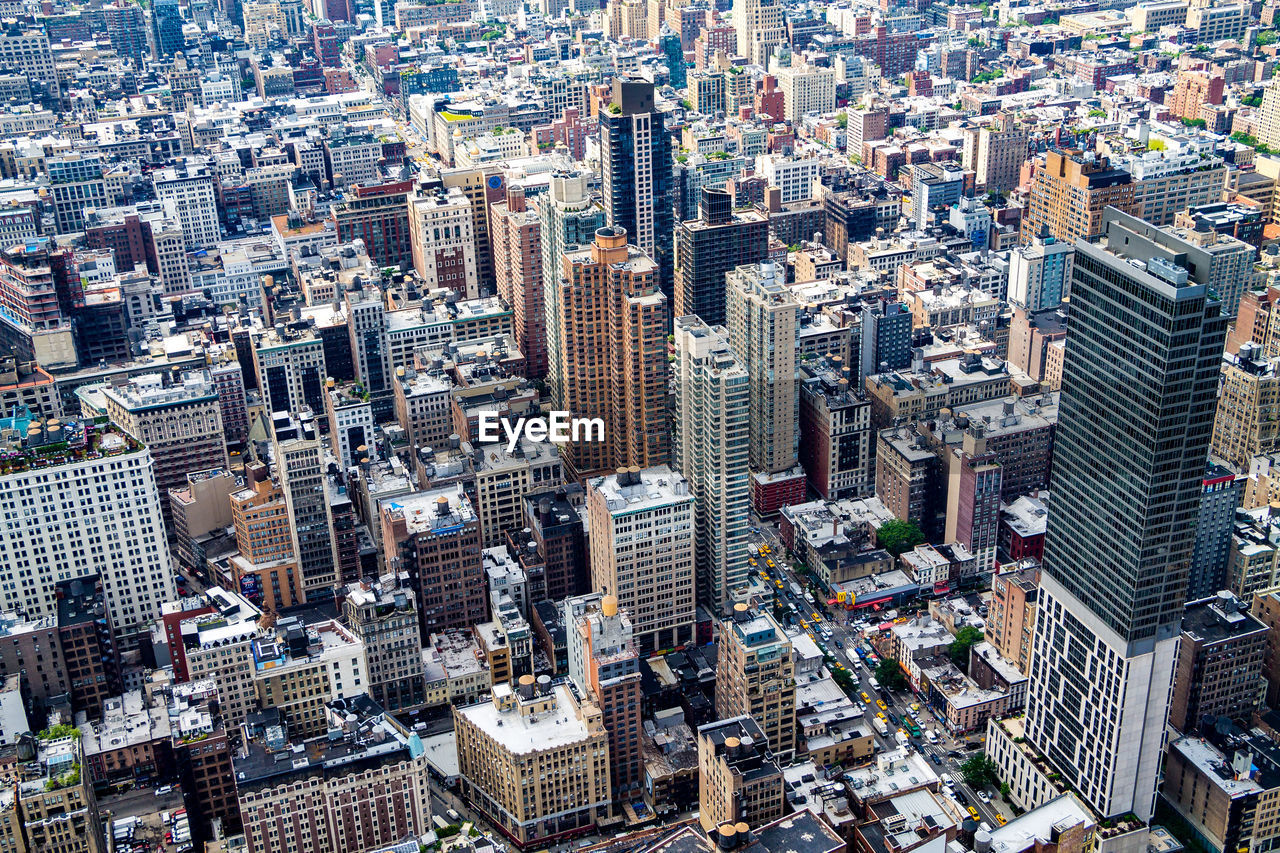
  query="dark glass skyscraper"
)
[
  {"x": 636, "y": 151},
  {"x": 166, "y": 20},
  {"x": 715, "y": 243},
  {"x": 673, "y": 51},
  {"x": 1138, "y": 394}
]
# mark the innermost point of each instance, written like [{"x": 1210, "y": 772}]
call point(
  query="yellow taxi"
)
[
  {"x": 1001, "y": 819},
  {"x": 778, "y": 584},
  {"x": 865, "y": 697},
  {"x": 915, "y": 706},
  {"x": 804, "y": 624},
  {"x": 881, "y": 705},
  {"x": 973, "y": 813},
  {"x": 817, "y": 618},
  {"x": 771, "y": 564},
  {"x": 880, "y": 715}
]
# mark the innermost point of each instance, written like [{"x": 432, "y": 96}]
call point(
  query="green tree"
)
[
  {"x": 966, "y": 638},
  {"x": 1265, "y": 38},
  {"x": 1194, "y": 122},
  {"x": 842, "y": 120},
  {"x": 889, "y": 674},
  {"x": 979, "y": 771},
  {"x": 897, "y": 536}
]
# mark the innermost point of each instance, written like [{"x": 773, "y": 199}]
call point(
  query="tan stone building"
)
[
  {"x": 763, "y": 318},
  {"x": 1000, "y": 149},
  {"x": 739, "y": 782},
  {"x": 535, "y": 759},
  {"x": 1070, "y": 190},
  {"x": 179, "y": 420},
  {"x": 755, "y": 675},
  {"x": 264, "y": 539},
  {"x": 1220, "y": 663},
  {"x": 1248, "y": 415},
  {"x": 1011, "y": 619},
  {"x": 434, "y": 537},
  {"x": 50, "y": 805}
]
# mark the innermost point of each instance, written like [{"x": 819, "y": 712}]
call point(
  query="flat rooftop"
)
[{"x": 525, "y": 733}]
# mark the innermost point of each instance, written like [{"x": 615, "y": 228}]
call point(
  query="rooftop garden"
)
[
  {"x": 67, "y": 780},
  {"x": 1252, "y": 142},
  {"x": 59, "y": 731},
  {"x": 99, "y": 444}
]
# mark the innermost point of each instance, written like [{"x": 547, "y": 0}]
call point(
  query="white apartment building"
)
[
  {"x": 642, "y": 551},
  {"x": 353, "y": 159},
  {"x": 794, "y": 177},
  {"x": 92, "y": 507},
  {"x": 29, "y": 52},
  {"x": 441, "y": 235},
  {"x": 190, "y": 186},
  {"x": 806, "y": 89},
  {"x": 712, "y": 439}
]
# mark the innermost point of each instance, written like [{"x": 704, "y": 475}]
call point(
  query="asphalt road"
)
[{"x": 848, "y": 638}]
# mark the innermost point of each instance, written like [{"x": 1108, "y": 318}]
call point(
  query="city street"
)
[{"x": 949, "y": 752}]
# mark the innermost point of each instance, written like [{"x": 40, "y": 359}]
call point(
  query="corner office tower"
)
[{"x": 1138, "y": 394}]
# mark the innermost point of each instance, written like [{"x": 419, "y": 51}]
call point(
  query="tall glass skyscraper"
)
[
  {"x": 1138, "y": 394},
  {"x": 166, "y": 20},
  {"x": 637, "y": 167}
]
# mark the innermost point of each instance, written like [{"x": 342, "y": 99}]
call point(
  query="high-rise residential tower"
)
[
  {"x": 637, "y": 164},
  {"x": 763, "y": 318},
  {"x": 569, "y": 217},
  {"x": 711, "y": 449},
  {"x": 1136, "y": 411},
  {"x": 516, "y": 231},
  {"x": 708, "y": 247},
  {"x": 612, "y": 327}
]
